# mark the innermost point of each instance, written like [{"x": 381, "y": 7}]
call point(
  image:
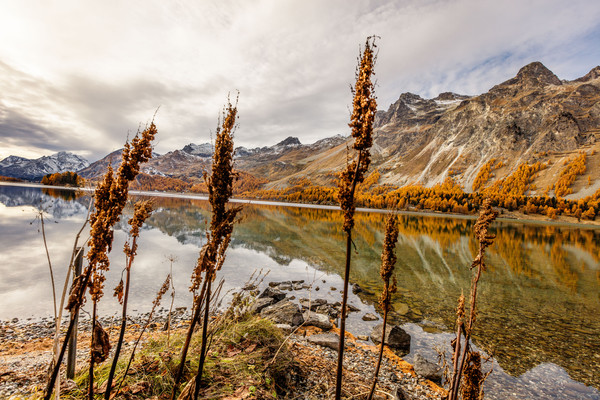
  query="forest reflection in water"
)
[{"x": 539, "y": 301}]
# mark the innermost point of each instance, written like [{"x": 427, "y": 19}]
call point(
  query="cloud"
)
[{"x": 83, "y": 73}]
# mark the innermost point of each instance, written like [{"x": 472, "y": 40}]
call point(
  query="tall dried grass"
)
[
  {"x": 465, "y": 361},
  {"x": 361, "y": 122},
  {"x": 110, "y": 198},
  {"x": 142, "y": 211},
  {"x": 388, "y": 262},
  {"x": 212, "y": 254}
]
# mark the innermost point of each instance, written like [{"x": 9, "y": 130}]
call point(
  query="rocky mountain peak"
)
[
  {"x": 13, "y": 160},
  {"x": 593, "y": 74},
  {"x": 289, "y": 141},
  {"x": 200, "y": 150},
  {"x": 450, "y": 96},
  {"x": 410, "y": 98},
  {"x": 536, "y": 74}
]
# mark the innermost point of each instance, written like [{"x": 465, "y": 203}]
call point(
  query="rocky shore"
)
[{"x": 25, "y": 352}]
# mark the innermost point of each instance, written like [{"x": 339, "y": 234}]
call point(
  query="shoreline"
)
[
  {"x": 504, "y": 216},
  {"x": 24, "y": 357}
]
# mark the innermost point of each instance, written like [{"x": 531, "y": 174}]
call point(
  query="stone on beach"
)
[
  {"x": 283, "y": 312},
  {"x": 330, "y": 340},
  {"x": 395, "y": 337},
  {"x": 312, "y": 318}
]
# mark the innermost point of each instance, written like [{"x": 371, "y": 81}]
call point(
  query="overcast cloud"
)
[{"x": 82, "y": 75}]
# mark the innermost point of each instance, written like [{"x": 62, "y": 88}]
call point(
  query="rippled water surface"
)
[{"x": 539, "y": 301}]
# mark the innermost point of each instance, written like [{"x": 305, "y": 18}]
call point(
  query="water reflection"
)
[{"x": 539, "y": 307}]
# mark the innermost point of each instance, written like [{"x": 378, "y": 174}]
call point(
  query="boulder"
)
[
  {"x": 260, "y": 303},
  {"x": 313, "y": 304},
  {"x": 356, "y": 288},
  {"x": 428, "y": 369},
  {"x": 330, "y": 340},
  {"x": 327, "y": 310},
  {"x": 272, "y": 293},
  {"x": 395, "y": 337},
  {"x": 319, "y": 320},
  {"x": 283, "y": 312}
]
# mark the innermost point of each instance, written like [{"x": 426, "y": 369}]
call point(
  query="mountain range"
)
[
  {"x": 533, "y": 117},
  {"x": 24, "y": 168}
]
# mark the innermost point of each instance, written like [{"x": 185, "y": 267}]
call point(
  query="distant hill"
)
[{"x": 23, "y": 168}]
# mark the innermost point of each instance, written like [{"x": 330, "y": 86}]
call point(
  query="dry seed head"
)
[
  {"x": 364, "y": 107},
  {"x": 472, "y": 377},
  {"x": 141, "y": 212},
  {"x": 346, "y": 195},
  {"x": 163, "y": 289},
  {"x": 76, "y": 299},
  {"x": 460, "y": 310},
  {"x": 220, "y": 190},
  {"x": 119, "y": 291},
  {"x": 220, "y": 183},
  {"x": 388, "y": 261},
  {"x": 486, "y": 216},
  {"x": 101, "y": 344},
  {"x": 110, "y": 199},
  {"x": 388, "y": 256}
]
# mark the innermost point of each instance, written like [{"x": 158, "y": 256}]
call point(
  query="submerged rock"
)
[
  {"x": 401, "y": 308},
  {"x": 370, "y": 317}
]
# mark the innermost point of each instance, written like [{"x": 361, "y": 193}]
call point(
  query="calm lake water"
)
[{"x": 539, "y": 300}]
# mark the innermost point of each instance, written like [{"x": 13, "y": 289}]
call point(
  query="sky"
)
[{"x": 83, "y": 75}]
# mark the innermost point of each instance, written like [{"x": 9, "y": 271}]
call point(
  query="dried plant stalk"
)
[
  {"x": 110, "y": 198},
  {"x": 142, "y": 211},
  {"x": 464, "y": 360},
  {"x": 388, "y": 262},
  {"x": 361, "y": 122},
  {"x": 212, "y": 254},
  {"x": 159, "y": 295}
]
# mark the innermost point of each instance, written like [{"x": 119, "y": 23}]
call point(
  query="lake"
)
[{"x": 538, "y": 302}]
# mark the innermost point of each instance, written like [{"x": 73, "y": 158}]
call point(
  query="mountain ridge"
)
[
  {"x": 35, "y": 169},
  {"x": 532, "y": 117}
]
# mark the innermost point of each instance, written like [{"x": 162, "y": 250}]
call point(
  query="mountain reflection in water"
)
[{"x": 538, "y": 303}]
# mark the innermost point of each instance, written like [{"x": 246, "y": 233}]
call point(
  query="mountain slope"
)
[{"x": 533, "y": 117}]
